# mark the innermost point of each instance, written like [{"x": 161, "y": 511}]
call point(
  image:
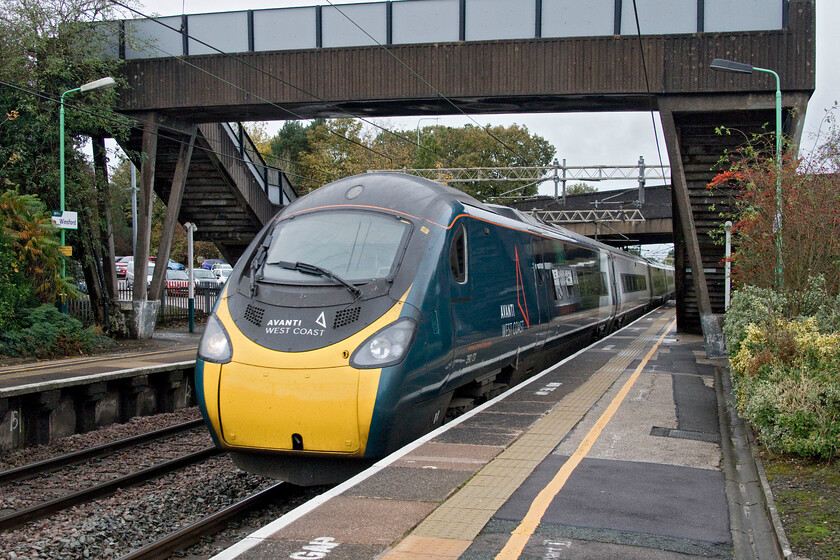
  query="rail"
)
[
  {"x": 272, "y": 180},
  {"x": 45, "y": 509},
  {"x": 173, "y": 306}
]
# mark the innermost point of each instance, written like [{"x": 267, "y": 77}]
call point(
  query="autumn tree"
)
[
  {"x": 344, "y": 147},
  {"x": 810, "y": 210}
]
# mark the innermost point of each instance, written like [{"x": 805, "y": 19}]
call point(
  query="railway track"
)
[
  {"x": 51, "y": 506},
  {"x": 28, "y": 471},
  {"x": 210, "y": 525},
  {"x": 184, "y": 503}
]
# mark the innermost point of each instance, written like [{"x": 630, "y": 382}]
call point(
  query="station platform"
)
[{"x": 615, "y": 452}]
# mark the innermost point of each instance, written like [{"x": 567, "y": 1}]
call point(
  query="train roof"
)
[{"x": 414, "y": 195}]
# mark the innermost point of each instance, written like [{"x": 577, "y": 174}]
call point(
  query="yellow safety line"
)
[{"x": 519, "y": 536}]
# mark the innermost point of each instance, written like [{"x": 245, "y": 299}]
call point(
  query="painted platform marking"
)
[
  {"x": 548, "y": 388},
  {"x": 519, "y": 536}
]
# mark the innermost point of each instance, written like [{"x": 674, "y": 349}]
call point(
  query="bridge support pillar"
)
[
  {"x": 173, "y": 209},
  {"x": 686, "y": 216}
]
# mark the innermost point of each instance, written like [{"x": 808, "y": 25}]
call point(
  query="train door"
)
[
  {"x": 615, "y": 293},
  {"x": 462, "y": 309}
]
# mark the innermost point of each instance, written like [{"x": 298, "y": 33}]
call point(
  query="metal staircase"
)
[{"x": 230, "y": 191}]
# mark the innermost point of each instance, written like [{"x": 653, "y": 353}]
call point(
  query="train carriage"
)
[{"x": 373, "y": 309}]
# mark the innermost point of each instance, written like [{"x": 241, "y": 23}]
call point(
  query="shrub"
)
[
  {"x": 761, "y": 306},
  {"x": 786, "y": 376},
  {"x": 48, "y": 333}
]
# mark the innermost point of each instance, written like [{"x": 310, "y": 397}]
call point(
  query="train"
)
[{"x": 372, "y": 310}]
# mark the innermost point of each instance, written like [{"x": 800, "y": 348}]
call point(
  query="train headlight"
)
[
  {"x": 387, "y": 347},
  {"x": 215, "y": 344}
]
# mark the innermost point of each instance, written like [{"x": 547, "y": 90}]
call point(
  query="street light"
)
[
  {"x": 96, "y": 84},
  {"x": 741, "y": 68},
  {"x": 418, "y": 126}
]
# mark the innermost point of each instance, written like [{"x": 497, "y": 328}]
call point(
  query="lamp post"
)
[
  {"x": 96, "y": 84},
  {"x": 191, "y": 228},
  {"x": 741, "y": 68},
  {"x": 421, "y": 119}
]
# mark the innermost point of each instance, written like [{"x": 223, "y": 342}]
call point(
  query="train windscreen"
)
[{"x": 355, "y": 246}]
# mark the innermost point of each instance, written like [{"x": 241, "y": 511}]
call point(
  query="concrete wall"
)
[{"x": 40, "y": 415}]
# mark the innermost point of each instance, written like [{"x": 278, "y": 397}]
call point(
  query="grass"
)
[{"x": 807, "y": 495}]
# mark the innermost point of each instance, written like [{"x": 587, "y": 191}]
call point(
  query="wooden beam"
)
[
  {"x": 144, "y": 211},
  {"x": 173, "y": 209},
  {"x": 686, "y": 217}
]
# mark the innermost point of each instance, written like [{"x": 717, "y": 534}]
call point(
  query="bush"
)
[
  {"x": 48, "y": 333},
  {"x": 786, "y": 376},
  {"x": 762, "y": 306}
]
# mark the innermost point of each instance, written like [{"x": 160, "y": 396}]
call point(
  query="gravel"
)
[{"x": 133, "y": 517}]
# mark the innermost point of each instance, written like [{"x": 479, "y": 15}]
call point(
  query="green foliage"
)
[
  {"x": 488, "y": 146},
  {"x": 15, "y": 289},
  {"x": 47, "y": 333},
  {"x": 328, "y": 150},
  {"x": 34, "y": 242},
  {"x": 785, "y": 363},
  {"x": 580, "y": 188},
  {"x": 763, "y": 306}
]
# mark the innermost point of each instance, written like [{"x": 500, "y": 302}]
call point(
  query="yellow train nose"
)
[{"x": 290, "y": 409}]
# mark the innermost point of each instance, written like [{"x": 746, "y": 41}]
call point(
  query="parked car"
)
[
  {"x": 218, "y": 269},
  {"x": 177, "y": 283},
  {"x": 223, "y": 274},
  {"x": 203, "y": 279},
  {"x": 121, "y": 264},
  {"x": 129, "y": 276},
  {"x": 127, "y": 263},
  {"x": 175, "y": 265},
  {"x": 207, "y": 264}
]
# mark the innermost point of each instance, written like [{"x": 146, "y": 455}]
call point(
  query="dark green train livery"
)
[{"x": 371, "y": 310}]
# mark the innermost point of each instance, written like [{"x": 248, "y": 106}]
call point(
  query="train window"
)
[
  {"x": 539, "y": 264},
  {"x": 458, "y": 255},
  {"x": 356, "y": 246},
  {"x": 633, "y": 283}
]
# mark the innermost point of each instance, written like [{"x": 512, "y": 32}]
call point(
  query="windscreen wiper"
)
[
  {"x": 257, "y": 263},
  {"x": 315, "y": 270}
]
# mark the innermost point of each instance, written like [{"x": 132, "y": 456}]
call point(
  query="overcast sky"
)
[{"x": 585, "y": 138}]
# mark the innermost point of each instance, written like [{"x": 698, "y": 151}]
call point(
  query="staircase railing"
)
[{"x": 273, "y": 181}]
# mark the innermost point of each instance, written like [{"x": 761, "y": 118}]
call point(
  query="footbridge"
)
[{"x": 435, "y": 57}]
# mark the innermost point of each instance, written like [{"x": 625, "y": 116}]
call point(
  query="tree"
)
[
  {"x": 810, "y": 211},
  {"x": 488, "y": 146},
  {"x": 31, "y": 238},
  {"x": 343, "y": 147},
  {"x": 580, "y": 188},
  {"x": 38, "y": 65}
]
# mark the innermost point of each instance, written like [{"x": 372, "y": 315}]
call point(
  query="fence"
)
[{"x": 173, "y": 307}]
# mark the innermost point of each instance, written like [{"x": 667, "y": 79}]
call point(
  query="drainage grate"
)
[
  {"x": 254, "y": 314},
  {"x": 346, "y": 316},
  {"x": 684, "y": 434}
]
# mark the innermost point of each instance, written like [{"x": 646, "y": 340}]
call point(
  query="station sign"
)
[{"x": 67, "y": 220}]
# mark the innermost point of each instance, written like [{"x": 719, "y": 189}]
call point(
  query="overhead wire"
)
[
  {"x": 647, "y": 86},
  {"x": 84, "y": 108},
  {"x": 433, "y": 88}
]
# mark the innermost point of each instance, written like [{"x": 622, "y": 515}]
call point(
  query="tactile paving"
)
[{"x": 463, "y": 516}]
